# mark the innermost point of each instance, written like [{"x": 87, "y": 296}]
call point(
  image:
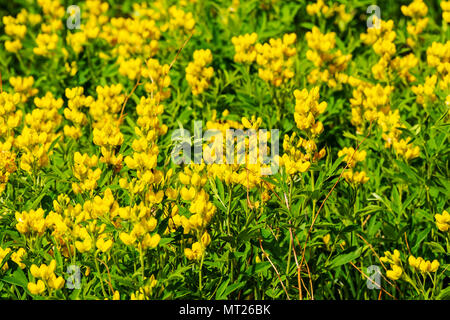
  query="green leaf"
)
[
  {"x": 232, "y": 288},
  {"x": 221, "y": 290},
  {"x": 435, "y": 247},
  {"x": 444, "y": 294},
  {"x": 345, "y": 258}
]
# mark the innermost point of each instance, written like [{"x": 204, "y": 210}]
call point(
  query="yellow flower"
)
[
  {"x": 3, "y": 254},
  {"x": 395, "y": 273},
  {"x": 434, "y": 266},
  {"x": 206, "y": 239},
  {"x": 84, "y": 246},
  {"x": 197, "y": 74},
  {"x": 196, "y": 252},
  {"x": 443, "y": 221},
  {"x": 103, "y": 245},
  {"x": 17, "y": 257},
  {"x": 36, "y": 288},
  {"x": 55, "y": 282},
  {"x": 326, "y": 239},
  {"x": 425, "y": 266},
  {"x": 187, "y": 194},
  {"x": 151, "y": 241},
  {"x": 127, "y": 238}
]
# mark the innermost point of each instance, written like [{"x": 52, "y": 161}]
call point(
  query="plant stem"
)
[{"x": 98, "y": 273}]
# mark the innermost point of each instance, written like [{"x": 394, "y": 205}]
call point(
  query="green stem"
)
[
  {"x": 98, "y": 273},
  {"x": 141, "y": 258},
  {"x": 200, "y": 274}
]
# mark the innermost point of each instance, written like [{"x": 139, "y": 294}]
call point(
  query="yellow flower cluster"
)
[
  {"x": 7, "y": 167},
  {"x": 443, "y": 221},
  {"x": 321, "y": 9},
  {"x": 76, "y": 100},
  {"x": 144, "y": 293},
  {"x": 403, "y": 65},
  {"x": 382, "y": 41},
  {"x": 202, "y": 210},
  {"x": 445, "y": 6},
  {"x": 180, "y": 20},
  {"x": 390, "y": 124},
  {"x": 141, "y": 221},
  {"x": 145, "y": 148},
  {"x": 18, "y": 256},
  {"x": 276, "y": 59},
  {"x": 134, "y": 39},
  {"x": 159, "y": 78},
  {"x": 425, "y": 93},
  {"x": 46, "y": 43},
  {"x": 198, "y": 75},
  {"x": 368, "y": 103},
  {"x": 293, "y": 160},
  {"x": 108, "y": 138},
  {"x": 352, "y": 157},
  {"x": 47, "y": 40},
  {"x": 3, "y": 254},
  {"x": 47, "y": 277},
  {"x": 328, "y": 62},
  {"x": 10, "y": 118},
  {"x": 15, "y": 256},
  {"x": 438, "y": 56},
  {"x": 417, "y": 10},
  {"x": 396, "y": 264},
  {"x": 95, "y": 14},
  {"x": 244, "y": 169},
  {"x": 71, "y": 68},
  {"x": 82, "y": 171},
  {"x": 244, "y": 47},
  {"x": 32, "y": 221},
  {"x": 16, "y": 29},
  {"x": 23, "y": 86},
  {"x": 307, "y": 109},
  {"x": 106, "y": 107},
  {"x": 39, "y": 132},
  {"x": 423, "y": 265}
]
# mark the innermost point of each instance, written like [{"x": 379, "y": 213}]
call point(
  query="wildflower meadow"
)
[{"x": 224, "y": 150}]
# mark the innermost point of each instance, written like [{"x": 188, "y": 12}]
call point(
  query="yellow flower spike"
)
[
  {"x": 36, "y": 288},
  {"x": 116, "y": 295}
]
